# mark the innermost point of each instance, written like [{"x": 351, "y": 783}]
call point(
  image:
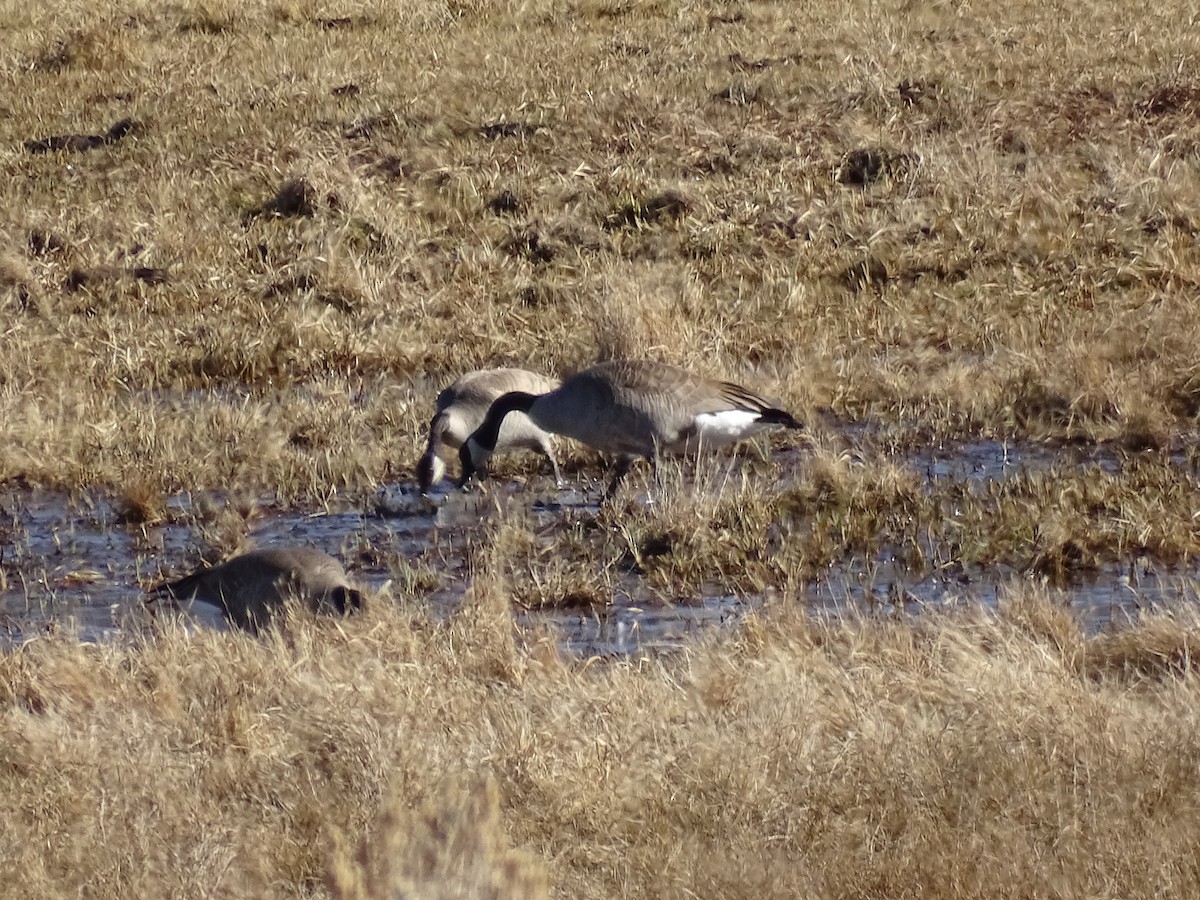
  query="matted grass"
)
[
  {"x": 322, "y": 215},
  {"x": 960, "y": 756},
  {"x": 242, "y": 245}
]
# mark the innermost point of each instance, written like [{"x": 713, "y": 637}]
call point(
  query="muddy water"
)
[{"x": 71, "y": 560}]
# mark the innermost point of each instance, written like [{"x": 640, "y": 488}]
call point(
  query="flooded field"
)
[{"x": 76, "y": 560}]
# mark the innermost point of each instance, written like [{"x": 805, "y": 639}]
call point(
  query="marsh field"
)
[{"x": 952, "y": 628}]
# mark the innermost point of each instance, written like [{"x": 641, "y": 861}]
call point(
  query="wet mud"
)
[{"x": 78, "y": 562}]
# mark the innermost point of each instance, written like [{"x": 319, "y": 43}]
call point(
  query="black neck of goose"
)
[
  {"x": 346, "y": 600},
  {"x": 487, "y": 434}
]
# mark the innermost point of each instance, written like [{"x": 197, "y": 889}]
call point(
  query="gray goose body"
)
[
  {"x": 461, "y": 409},
  {"x": 634, "y": 408},
  {"x": 252, "y": 588}
]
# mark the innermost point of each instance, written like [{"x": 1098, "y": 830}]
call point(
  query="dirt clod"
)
[
  {"x": 504, "y": 203},
  {"x": 496, "y": 130},
  {"x": 530, "y": 244},
  {"x": 868, "y": 272},
  {"x": 868, "y": 165},
  {"x": 43, "y": 242},
  {"x": 667, "y": 206},
  {"x": 297, "y": 198},
  {"x": 79, "y": 143}
]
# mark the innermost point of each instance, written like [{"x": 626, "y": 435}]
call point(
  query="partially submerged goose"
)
[
  {"x": 252, "y": 588},
  {"x": 461, "y": 409},
  {"x": 632, "y": 408}
]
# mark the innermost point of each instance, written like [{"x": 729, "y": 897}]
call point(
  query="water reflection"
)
[{"x": 71, "y": 558}]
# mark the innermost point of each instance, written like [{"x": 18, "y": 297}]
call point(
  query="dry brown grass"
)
[
  {"x": 454, "y": 847},
  {"x": 323, "y": 216},
  {"x": 741, "y": 526},
  {"x": 389, "y": 756},
  {"x": 941, "y": 220}
]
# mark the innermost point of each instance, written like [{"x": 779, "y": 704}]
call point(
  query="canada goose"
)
[
  {"x": 461, "y": 408},
  {"x": 250, "y": 589},
  {"x": 633, "y": 408}
]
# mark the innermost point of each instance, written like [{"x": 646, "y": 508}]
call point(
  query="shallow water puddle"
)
[
  {"x": 72, "y": 559},
  {"x": 992, "y": 460},
  {"x": 627, "y": 628},
  {"x": 1113, "y": 596}
]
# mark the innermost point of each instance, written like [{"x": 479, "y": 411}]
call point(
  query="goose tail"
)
[{"x": 773, "y": 416}]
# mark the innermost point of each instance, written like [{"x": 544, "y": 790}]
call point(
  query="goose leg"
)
[
  {"x": 655, "y": 481},
  {"x": 558, "y": 479},
  {"x": 619, "y": 472}
]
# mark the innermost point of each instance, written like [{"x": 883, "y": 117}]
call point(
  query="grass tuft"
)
[{"x": 391, "y": 755}]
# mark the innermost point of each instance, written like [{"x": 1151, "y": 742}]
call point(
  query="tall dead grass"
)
[
  {"x": 963, "y": 755},
  {"x": 953, "y": 220},
  {"x": 946, "y": 220}
]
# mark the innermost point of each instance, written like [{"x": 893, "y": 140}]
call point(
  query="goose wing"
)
[
  {"x": 697, "y": 394},
  {"x": 484, "y": 386}
]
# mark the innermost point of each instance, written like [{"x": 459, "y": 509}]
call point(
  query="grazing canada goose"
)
[
  {"x": 250, "y": 589},
  {"x": 633, "y": 408},
  {"x": 461, "y": 408}
]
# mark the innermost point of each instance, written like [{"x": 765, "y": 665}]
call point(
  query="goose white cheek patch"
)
[
  {"x": 437, "y": 470},
  {"x": 727, "y": 426}
]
